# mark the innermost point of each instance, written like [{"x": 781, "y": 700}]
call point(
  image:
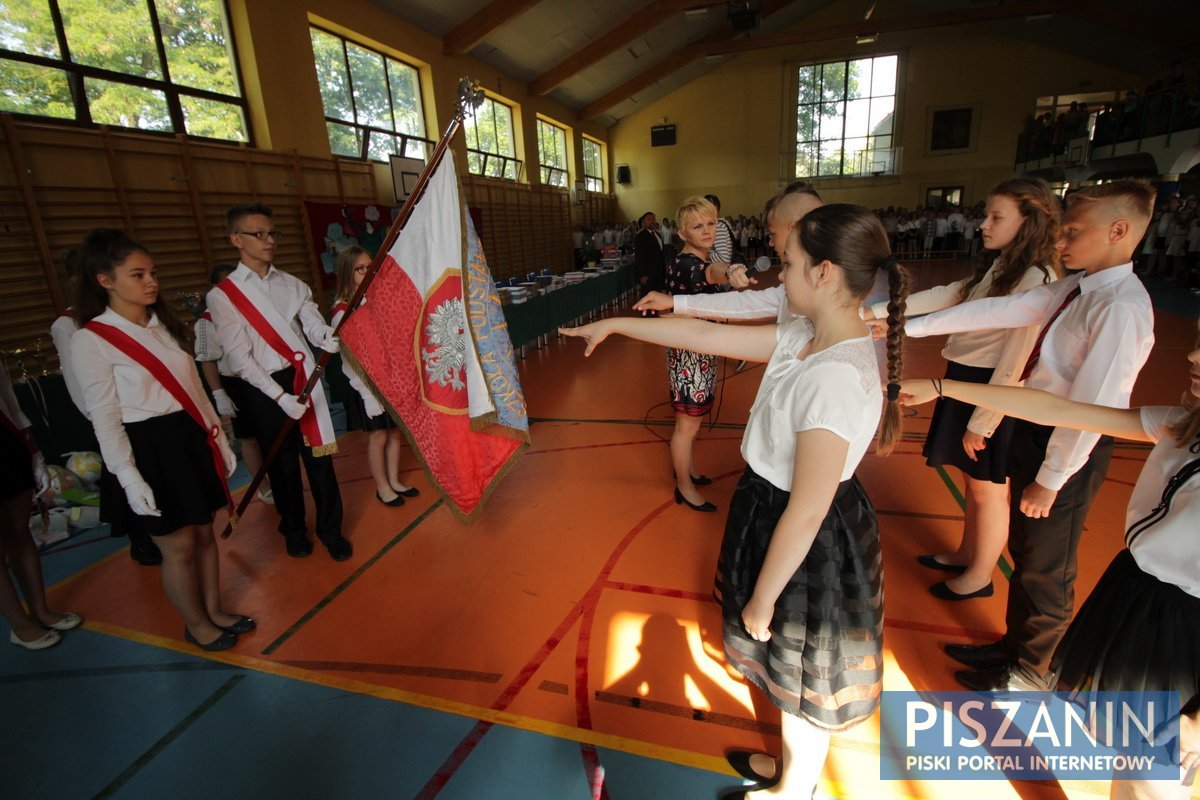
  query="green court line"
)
[
  {"x": 329, "y": 598},
  {"x": 171, "y": 735},
  {"x": 1005, "y": 567}
]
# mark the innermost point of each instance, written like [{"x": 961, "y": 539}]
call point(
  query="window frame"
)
[
  {"x": 510, "y": 166},
  {"x": 545, "y": 170},
  {"x": 76, "y": 75},
  {"x": 587, "y": 177},
  {"x": 364, "y": 131},
  {"x": 794, "y": 71}
]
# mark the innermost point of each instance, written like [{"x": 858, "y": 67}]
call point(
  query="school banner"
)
[{"x": 431, "y": 339}]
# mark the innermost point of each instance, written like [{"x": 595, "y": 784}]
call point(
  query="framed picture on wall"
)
[{"x": 952, "y": 129}]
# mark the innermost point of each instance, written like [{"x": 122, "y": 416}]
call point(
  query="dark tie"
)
[{"x": 1036, "y": 353}]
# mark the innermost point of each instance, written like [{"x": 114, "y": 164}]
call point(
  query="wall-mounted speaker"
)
[{"x": 623, "y": 174}]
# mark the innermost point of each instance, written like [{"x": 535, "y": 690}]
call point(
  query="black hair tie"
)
[
  {"x": 893, "y": 392},
  {"x": 888, "y": 263}
]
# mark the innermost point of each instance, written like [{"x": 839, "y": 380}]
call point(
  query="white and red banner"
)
[{"x": 433, "y": 343}]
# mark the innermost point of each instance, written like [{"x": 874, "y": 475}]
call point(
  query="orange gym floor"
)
[{"x": 564, "y": 645}]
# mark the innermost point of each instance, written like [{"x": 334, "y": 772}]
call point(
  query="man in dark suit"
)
[{"x": 649, "y": 263}]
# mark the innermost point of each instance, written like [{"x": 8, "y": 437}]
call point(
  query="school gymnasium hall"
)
[{"x": 564, "y": 643}]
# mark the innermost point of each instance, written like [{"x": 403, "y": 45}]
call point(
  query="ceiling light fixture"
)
[
  {"x": 695, "y": 14},
  {"x": 866, "y": 38},
  {"x": 869, "y": 10}
]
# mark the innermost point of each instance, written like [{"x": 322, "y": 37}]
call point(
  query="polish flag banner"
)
[{"x": 431, "y": 340}]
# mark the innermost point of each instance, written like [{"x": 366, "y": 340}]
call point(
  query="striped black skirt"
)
[{"x": 824, "y": 661}]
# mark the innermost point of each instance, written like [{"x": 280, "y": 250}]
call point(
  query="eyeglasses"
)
[{"x": 262, "y": 236}]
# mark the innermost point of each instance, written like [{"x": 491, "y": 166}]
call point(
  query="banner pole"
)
[{"x": 470, "y": 96}]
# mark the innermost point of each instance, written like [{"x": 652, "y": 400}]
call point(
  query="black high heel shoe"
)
[{"x": 705, "y": 506}]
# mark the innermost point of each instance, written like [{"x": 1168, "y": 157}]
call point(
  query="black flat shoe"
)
[
  {"x": 411, "y": 491},
  {"x": 243, "y": 624},
  {"x": 740, "y": 761},
  {"x": 339, "y": 547},
  {"x": 398, "y": 500},
  {"x": 223, "y": 642},
  {"x": 705, "y": 506},
  {"x": 932, "y": 562},
  {"x": 701, "y": 480},
  {"x": 943, "y": 592}
]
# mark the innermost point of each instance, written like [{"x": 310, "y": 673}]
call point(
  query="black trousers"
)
[
  {"x": 284, "y": 471},
  {"x": 1041, "y": 594}
]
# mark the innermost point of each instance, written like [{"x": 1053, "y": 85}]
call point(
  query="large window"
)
[
  {"x": 845, "y": 117},
  {"x": 372, "y": 101},
  {"x": 491, "y": 148},
  {"x": 552, "y": 152},
  {"x": 155, "y": 65},
  {"x": 593, "y": 165}
]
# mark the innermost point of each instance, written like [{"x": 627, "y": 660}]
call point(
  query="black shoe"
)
[
  {"x": 298, "y": 546},
  {"x": 242, "y": 625},
  {"x": 943, "y": 592},
  {"x": 740, "y": 761},
  {"x": 411, "y": 491},
  {"x": 705, "y": 506},
  {"x": 980, "y": 656},
  {"x": 339, "y": 547},
  {"x": 932, "y": 562},
  {"x": 145, "y": 553},
  {"x": 395, "y": 501},
  {"x": 700, "y": 480},
  {"x": 223, "y": 642}
]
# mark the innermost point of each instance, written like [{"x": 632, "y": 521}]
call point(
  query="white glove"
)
[
  {"x": 229, "y": 456},
  {"x": 329, "y": 343},
  {"x": 141, "y": 499},
  {"x": 225, "y": 406},
  {"x": 373, "y": 406},
  {"x": 292, "y": 406},
  {"x": 41, "y": 476}
]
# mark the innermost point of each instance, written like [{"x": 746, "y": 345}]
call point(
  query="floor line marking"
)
[
  {"x": 129, "y": 669},
  {"x": 171, "y": 735},
  {"x": 341, "y": 587}
]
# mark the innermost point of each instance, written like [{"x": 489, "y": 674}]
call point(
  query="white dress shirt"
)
[
  {"x": 1003, "y": 351},
  {"x": 248, "y": 355},
  {"x": 116, "y": 389},
  {"x": 61, "y": 332},
  {"x": 1092, "y": 353},
  {"x": 1170, "y": 548},
  {"x": 757, "y": 304},
  {"x": 208, "y": 346},
  {"x": 836, "y": 390},
  {"x": 8, "y": 402}
]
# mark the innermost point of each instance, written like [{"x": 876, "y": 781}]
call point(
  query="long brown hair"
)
[
  {"x": 102, "y": 251},
  {"x": 853, "y": 238},
  {"x": 345, "y": 270},
  {"x": 1034, "y": 244},
  {"x": 1188, "y": 428}
]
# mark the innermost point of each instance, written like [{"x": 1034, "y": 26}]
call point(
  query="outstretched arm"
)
[
  {"x": 1031, "y": 404},
  {"x": 748, "y": 342}
]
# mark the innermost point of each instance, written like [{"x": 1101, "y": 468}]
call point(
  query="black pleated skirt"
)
[
  {"x": 356, "y": 415},
  {"x": 16, "y": 465},
  {"x": 239, "y": 392},
  {"x": 1133, "y": 633},
  {"x": 943, "y": 444},
  {"x": 824, "y": 661},
  {"x": 173, "y": 455}
]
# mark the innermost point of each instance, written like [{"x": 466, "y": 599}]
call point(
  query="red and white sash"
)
[
  {"x": 162, "y": 373},
  {"x": 316, "y": 425}
]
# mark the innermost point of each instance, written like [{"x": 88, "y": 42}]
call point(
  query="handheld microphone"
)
[{"x": 762, "y": 264}]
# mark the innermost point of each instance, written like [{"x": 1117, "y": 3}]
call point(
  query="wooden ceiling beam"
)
[
  {"x": 723, "y": 43},
  {"x": 482, "y": 23},
  {"x": 645, "y": 19}
]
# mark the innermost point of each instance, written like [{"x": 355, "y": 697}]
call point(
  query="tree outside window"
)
[
  {"x": 552, "y": 150},
  {"x": 491, "y": 148},
  {"x": 845, "y": 117},
  {"x": 593, "y": 162},
  {"x": 372, "y": 101},
  {"x": 158, "y": 65}
]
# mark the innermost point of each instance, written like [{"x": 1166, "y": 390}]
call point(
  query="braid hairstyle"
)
[
  {"x": 102, "y": 251},
  {"x": 1034, "y": 244},
  {"x": 854, "y": 238}
]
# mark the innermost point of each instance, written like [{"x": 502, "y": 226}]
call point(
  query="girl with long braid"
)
[{"x": 799, "y": 514}]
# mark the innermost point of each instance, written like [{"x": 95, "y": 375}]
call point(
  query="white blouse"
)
[
  {"x": 1169, "y": 549},
  {"x": 837, "y": 390},
  {"x": 61, "y": 332},
  {"x": 208, "y": 346},
  {"x": 116, "y": 389}
]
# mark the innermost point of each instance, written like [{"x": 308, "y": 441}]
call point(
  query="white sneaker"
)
[{"x": 266, "y": 495}]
